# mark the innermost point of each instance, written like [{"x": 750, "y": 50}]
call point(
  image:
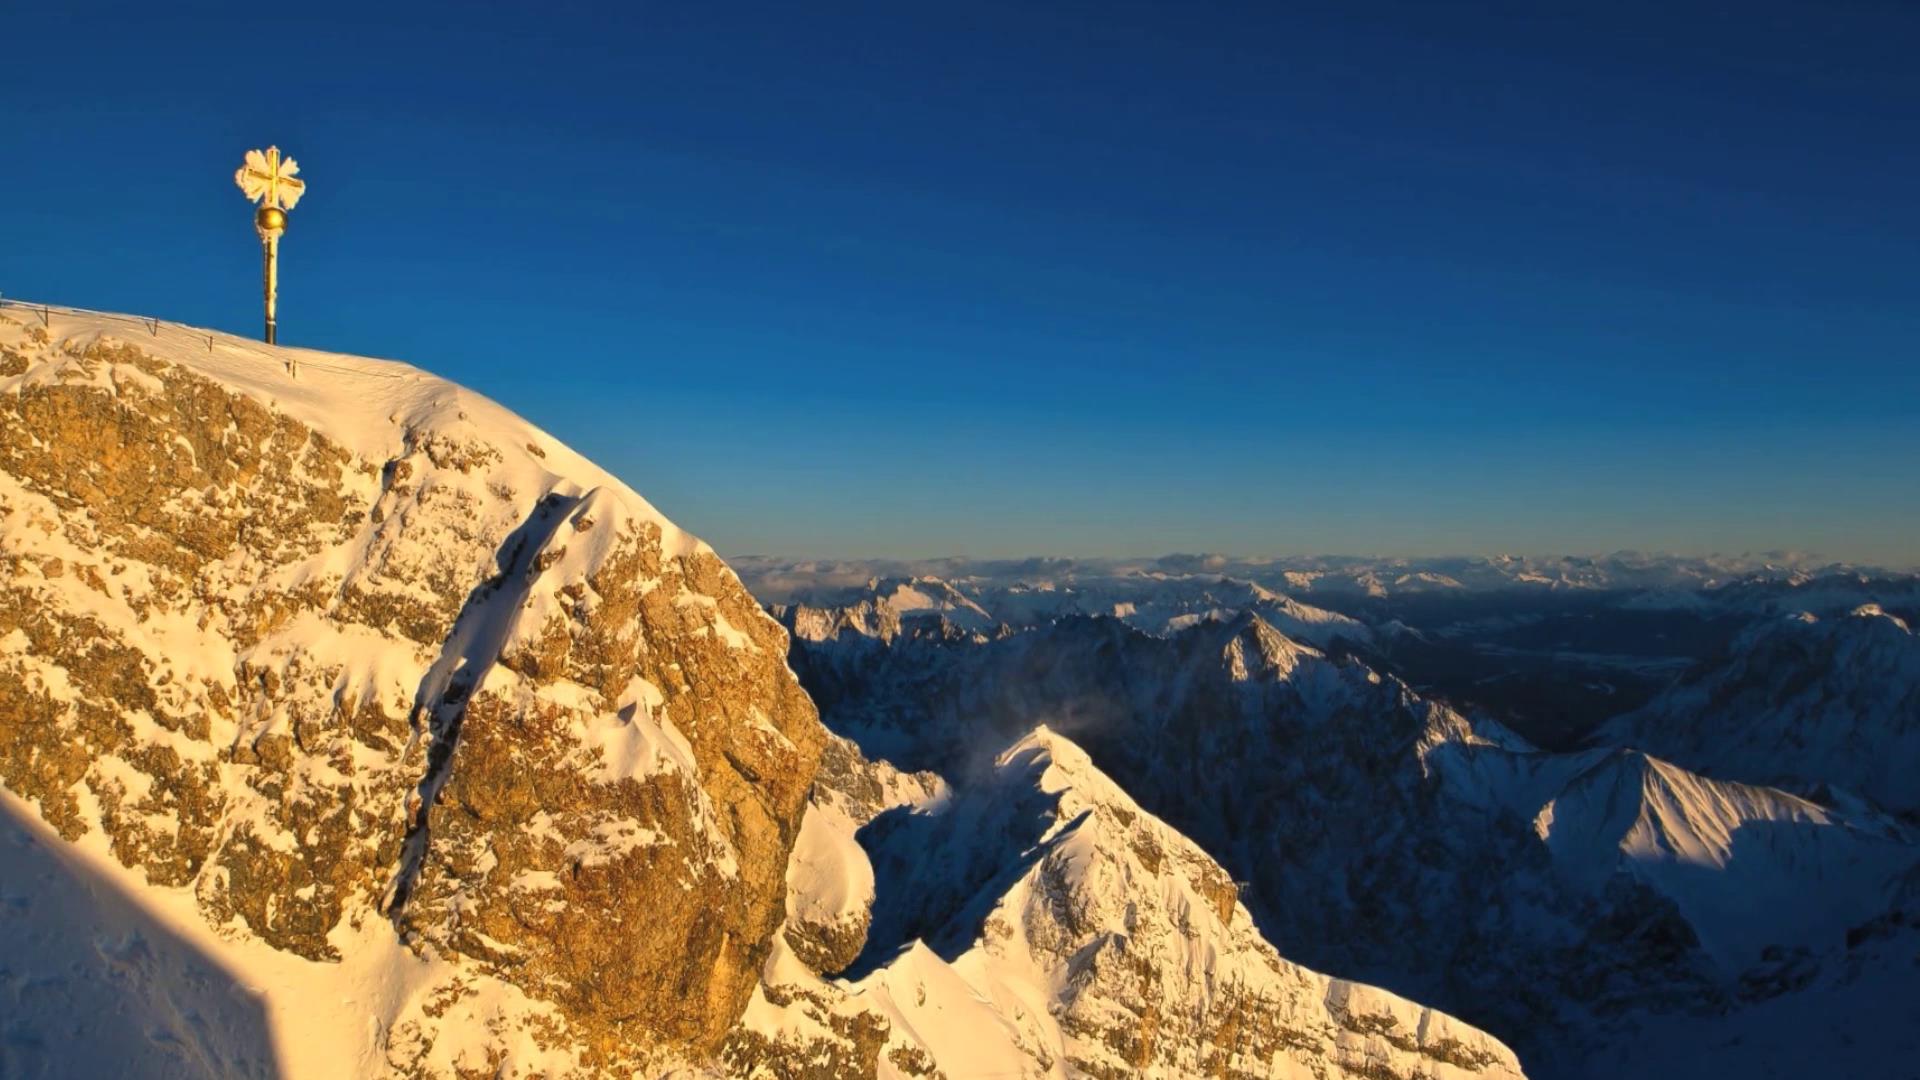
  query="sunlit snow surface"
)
[
  {"x": 1028, "y": 920},
  {"x": 105, "y": 975}
]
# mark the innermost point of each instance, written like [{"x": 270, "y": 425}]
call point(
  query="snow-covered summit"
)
[
  {"x": 376, "y": 409},
  {"x": 374, "y": 692}
]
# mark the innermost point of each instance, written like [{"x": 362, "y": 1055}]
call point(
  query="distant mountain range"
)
[
  {"x": 783, "y": 581},
  {"x": 1608, "y": 910}
]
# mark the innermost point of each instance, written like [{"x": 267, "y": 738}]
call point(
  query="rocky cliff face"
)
[{"x": 358, "y": 656}]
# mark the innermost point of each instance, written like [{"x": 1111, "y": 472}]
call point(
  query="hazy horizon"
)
[{"x": 1794, "y": 559}]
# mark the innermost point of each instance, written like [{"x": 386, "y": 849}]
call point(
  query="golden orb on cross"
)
[{"x": 270, "y": 218}]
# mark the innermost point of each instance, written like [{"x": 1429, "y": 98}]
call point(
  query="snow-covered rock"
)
[
  {"x": 372, "y": 692},
  {"x": 830, "y": 884},
  {"x": 1036, "y": 922},
  {"x": 1800, "y": 701}
]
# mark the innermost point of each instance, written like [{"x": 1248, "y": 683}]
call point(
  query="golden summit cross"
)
[{"x": 270, "y": 181}]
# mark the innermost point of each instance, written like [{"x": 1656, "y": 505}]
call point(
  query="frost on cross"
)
[{"x": 268, "y": 179}]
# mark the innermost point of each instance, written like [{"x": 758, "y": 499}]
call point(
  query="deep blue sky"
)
[{"x": 1104, "y": 278}]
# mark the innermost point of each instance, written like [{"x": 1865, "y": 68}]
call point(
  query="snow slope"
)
[
  {"x": 1802, "y": 701},
  {"x": 1741, "y": 864},
  {"x": 1035, "y": 921},
  {"x": 105, "y": 974}
]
